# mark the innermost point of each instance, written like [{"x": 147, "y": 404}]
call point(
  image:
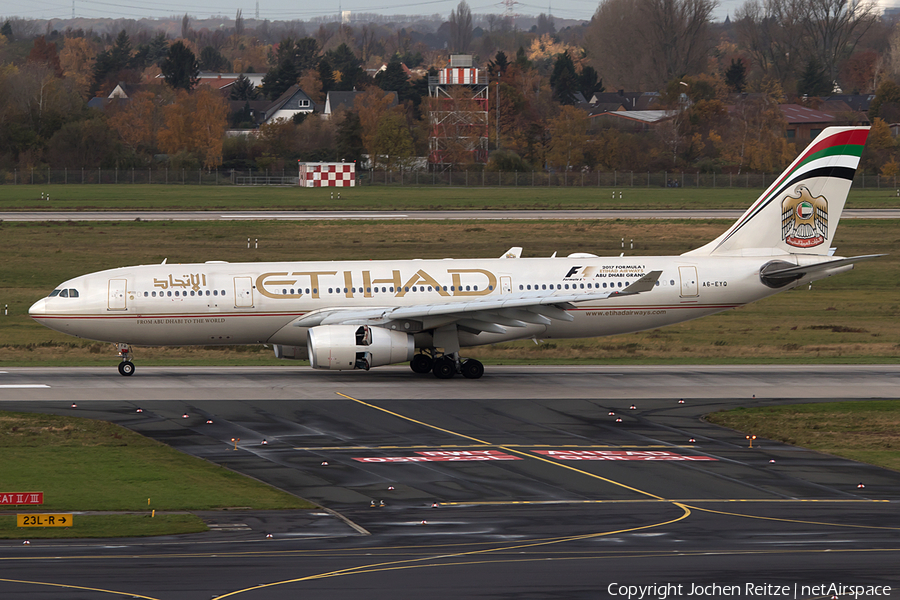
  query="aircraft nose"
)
[{"x": 38, "y": 308}]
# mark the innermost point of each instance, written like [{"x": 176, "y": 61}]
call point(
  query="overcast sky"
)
[{"x": 285, "y": 10}]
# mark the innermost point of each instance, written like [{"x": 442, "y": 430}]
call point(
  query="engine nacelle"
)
[{"x": 346, "y": 347}]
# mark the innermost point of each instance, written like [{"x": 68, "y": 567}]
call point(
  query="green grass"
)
[
  {"x": 385, "y": 198},
  {"x": 86, "y": 465},
  {"x": 866, "y": 430},
  {"x": 851, "y": 318}
]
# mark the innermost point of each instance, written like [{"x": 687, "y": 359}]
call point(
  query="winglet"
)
[
  {"x": 644, "y": 284},
  {"x": 514, "y": 252}
]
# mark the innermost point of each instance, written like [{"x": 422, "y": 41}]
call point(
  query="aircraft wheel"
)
[
  {"x": 444, "y": 368},
  {"x": 472, "y": 369},
  {"x": 421, "y": 363},
  {"x": 126, "y": 367}
]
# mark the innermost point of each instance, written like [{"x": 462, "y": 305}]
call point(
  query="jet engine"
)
[{"x": 346, "y": 347}]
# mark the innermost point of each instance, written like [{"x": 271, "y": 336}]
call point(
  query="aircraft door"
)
[
  {"x": 689, "y": 282},
  {"x": 505, "y": 284},
  {"x": 117, "y": 290},
  {"x": 243, "y": 292}
]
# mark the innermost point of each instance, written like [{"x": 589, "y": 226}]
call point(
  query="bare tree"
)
[
  {"x": 833, "y": 27},
  {"x": 645, "y": 43},
  {"x": 460, "y": 28},
  {"x": 771, "y": 31},
  {"x": 677, "y": 36}
]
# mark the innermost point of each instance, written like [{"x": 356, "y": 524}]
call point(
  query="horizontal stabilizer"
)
[{"x": 803, "y": 270}]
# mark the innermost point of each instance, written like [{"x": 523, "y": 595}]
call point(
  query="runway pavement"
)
[
  {"x": 517, "y": 485},
  {"x": 430, "y": 215}
]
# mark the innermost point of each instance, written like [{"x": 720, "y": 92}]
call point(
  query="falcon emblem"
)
[{"x": 804, "y": 219}]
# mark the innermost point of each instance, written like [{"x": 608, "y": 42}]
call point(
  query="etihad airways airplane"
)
[{"x": 363, "y": 314}]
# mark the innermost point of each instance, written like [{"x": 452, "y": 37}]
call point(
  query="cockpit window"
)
[
  {"x": 73, "y": 293},
  {"x": 64, "y": 294},
  {"x": 54, "y": 293}
]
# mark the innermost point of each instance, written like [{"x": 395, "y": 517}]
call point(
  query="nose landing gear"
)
[{"x": 126, "y": 367}]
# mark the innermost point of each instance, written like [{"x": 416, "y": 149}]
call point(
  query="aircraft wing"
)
[{"x": 489, "y": 314}]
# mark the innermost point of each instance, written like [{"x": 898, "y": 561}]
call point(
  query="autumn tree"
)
[
  {"x": 372, "y": 105},
  {"x": 136, "y": 122},
  {"x": 76, "y": 60},
  {"x": 84, "y": 144},
  {"x": 568, "y": 138},
  {"x": 886, "y": 103},
  {"x": 45, "y": 53},
  {"x": 393, "y": 141},
  {"x": 195, "y": 123}
]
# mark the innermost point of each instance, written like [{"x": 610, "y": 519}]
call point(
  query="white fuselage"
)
[{"x": 257, "y": 303}]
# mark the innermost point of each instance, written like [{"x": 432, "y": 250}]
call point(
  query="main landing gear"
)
[
  {"x": 446, "y": 366},
  {"x": 126, "y": 367}
]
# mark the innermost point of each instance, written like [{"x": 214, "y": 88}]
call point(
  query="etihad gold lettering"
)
[
  {"x": 421, "y": 276},
  {"x": 313, "y": 279},
  {"x": 348, "y": 284},
  {"x": 263, "y": 280},
  {"x": 458, "y": 286}
]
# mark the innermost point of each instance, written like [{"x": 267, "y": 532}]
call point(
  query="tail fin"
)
[{"x": 799, "y": 213}]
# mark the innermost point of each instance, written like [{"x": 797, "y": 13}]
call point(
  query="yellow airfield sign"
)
[{"x": 44, "y": 520}]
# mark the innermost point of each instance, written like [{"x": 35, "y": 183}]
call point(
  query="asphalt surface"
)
[
  {"x": 517, "y": 485},
  {"x": 429, "y": 215}
]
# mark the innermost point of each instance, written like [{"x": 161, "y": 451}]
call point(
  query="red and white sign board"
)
[
  {"x": 327, "y": 174},
  {"x": 16, "y": 498},
  {"x": 442, "y": 456},
  {"x": 651, "y": 455}
]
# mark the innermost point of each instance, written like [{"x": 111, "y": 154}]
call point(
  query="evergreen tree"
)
[
  {"x": 736, "y": 76},
  {"x": 111, "y": 62},
  {"x": 212, "y": 60},
  {"x": 6, "y": 30},
  {"x": 243, "y": 89},
  {"x": 589, "y": 82},
  {"x": 349, "y": 138},
  {"x": 326, "y": 76},
  {"x": 180, "y": 67},
  {"x": 522, "y": 59},
  {"x": 814, "y": 80},
  {"x": 278, "y": 80},
  {"x": 498, "y": 66},
  {"x": 564, "y": 80},
  {"x": 394, "y": 79},
  {"x": 349, "y": 66}
]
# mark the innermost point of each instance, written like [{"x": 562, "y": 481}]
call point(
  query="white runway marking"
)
[{"x": 19, "y": 386}]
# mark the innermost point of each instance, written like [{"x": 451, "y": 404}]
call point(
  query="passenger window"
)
[
  {"x": 146, "y": 294},
  {"x": 153, "y": 294},
  {"x": 207, "y": 292},
  {"x": 671, "y": 282},
  {"x": 64, "y": 294},
  {"x": 604, "y": 285},
  {"x": 567, "y": 286},
  {"x": 192, "y": 292},
  {"x": 169, "y": 294},
  {"x": 215, "y": 292},
  {"x": 223, "y": 292}
]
